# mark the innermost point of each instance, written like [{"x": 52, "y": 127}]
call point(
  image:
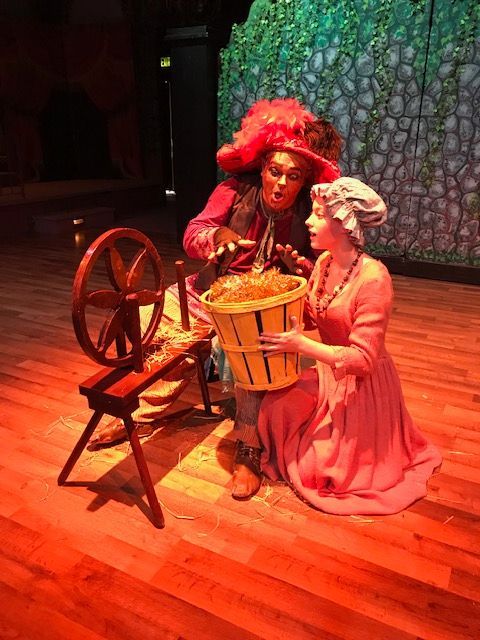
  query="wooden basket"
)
[{"x": 238, "y": 327}]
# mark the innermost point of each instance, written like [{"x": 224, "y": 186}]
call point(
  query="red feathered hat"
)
[{"x": 275, "y": 125}]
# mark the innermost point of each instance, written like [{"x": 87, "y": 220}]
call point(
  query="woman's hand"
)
[
  {"x": 291, "y": 259},
  {"x": 286, "y": 342},
  {"x": 227, "y": 240}
]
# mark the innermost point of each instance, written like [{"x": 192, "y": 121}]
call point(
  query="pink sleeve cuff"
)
[{"x": 339, "y": 366}]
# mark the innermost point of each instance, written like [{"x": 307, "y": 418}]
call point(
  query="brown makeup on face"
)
[{"x": 283, "y": 175}]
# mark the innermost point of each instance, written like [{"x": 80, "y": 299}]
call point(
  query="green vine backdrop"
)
[{"x": 401, "y": 81}]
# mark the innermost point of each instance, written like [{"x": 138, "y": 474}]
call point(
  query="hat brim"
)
[{"x": 233, "y": 160}]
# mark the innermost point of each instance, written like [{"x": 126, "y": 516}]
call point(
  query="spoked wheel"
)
[{"x": 121, "y": 324}]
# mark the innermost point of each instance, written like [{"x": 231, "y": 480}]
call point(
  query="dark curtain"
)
[{"x": 34, "y": 59}]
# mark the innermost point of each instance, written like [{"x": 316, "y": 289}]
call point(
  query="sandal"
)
[{"x": 247, "y": 475}]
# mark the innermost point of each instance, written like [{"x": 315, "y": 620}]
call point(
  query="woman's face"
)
[
  {"x": 324, "y": 230},
  {"x": 283, "y": 175}
]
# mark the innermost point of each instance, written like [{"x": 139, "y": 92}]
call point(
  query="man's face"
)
[{"x": 283, "y": 175}]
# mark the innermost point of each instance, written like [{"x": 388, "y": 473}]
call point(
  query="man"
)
[{"x": 256, "y": 220}]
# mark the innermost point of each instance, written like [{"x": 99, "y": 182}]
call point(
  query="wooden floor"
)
[{"x": 85, "y": 562}]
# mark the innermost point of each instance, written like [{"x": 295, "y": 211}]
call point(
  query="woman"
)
[{"x": 342, "y": 436}]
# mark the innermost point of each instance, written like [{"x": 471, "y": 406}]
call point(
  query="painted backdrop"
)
[{"x": 400, "y": 79}]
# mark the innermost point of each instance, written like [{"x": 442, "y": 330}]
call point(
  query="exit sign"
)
[{"x": 165, "y": 61}]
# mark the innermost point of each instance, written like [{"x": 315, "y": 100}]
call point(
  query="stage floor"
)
[{"x": 83, "y": 560}]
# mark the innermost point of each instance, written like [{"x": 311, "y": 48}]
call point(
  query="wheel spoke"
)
[
  {"x": 136, "y": 270},
  {"x": 128, "y": 332},
  {"x": 110, "y": 330},
  {"x": 104, "y": 299},
  {"x": 116, "y": 269},
  {"x": 148, "y": 297}
]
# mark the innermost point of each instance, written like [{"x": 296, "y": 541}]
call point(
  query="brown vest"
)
[{"x": 241, "y": 216}]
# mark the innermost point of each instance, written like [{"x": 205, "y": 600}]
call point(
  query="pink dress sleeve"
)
[
  {"x": 371, "y": 313},
  {"x": 198, "y": 237}
]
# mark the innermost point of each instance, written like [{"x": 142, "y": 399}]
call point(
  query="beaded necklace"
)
[{"x": 324, "y": 299}]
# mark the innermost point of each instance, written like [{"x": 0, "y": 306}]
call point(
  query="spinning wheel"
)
[
  {"x": 123, "y": 300},
  {"x": 115, "y": 389}
]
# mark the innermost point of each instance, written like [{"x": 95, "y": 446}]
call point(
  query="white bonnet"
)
[{"x": 354, "y": 203}]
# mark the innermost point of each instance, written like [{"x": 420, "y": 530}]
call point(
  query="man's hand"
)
[
  {"x": 227, "y": 240},
  {"x": 291, "y": 259}
]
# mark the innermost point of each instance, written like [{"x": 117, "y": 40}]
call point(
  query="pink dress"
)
[{"x": 342, "y": 436}]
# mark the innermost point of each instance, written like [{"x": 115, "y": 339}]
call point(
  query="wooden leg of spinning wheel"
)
[
  {"x": 202, "y": 381},
  {"x": 158, "y": 519},
  {"x": 79, "y": 447}
]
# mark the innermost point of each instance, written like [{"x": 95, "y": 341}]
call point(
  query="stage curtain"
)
[
  {"x": 27, "y": 75},
  {"x": 36, "y": 58},
  {"x": 105, "y": 72}
]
